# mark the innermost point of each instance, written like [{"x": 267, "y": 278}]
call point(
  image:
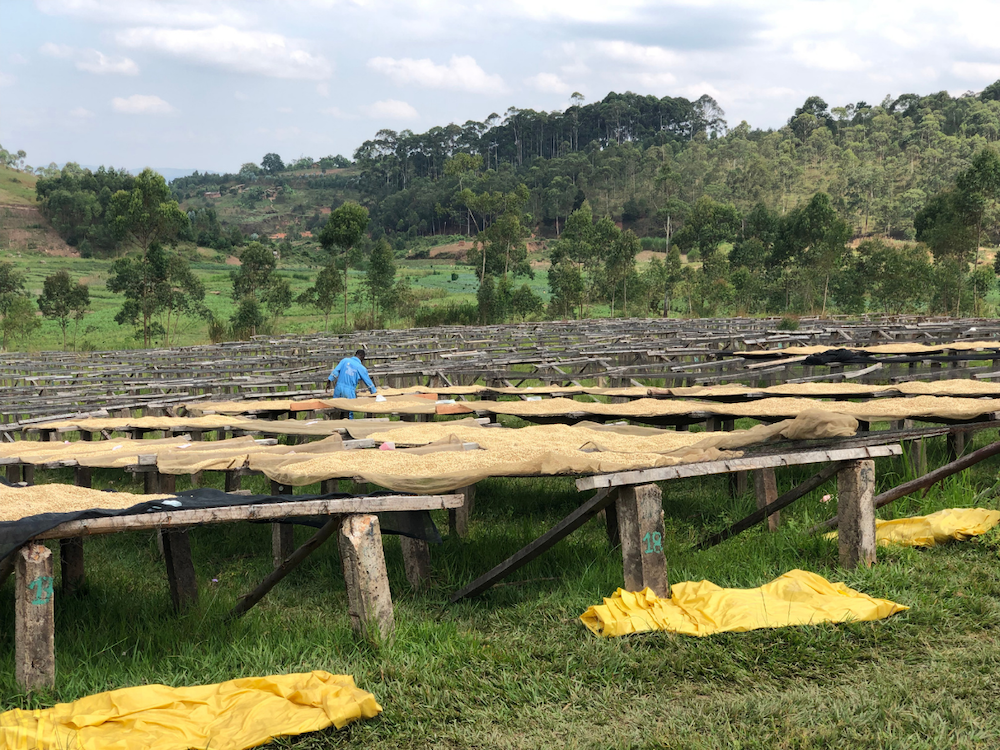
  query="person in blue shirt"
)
[{"x": 347, "y": 373}]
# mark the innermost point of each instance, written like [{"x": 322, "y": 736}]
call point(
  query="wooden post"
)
[
  {"x": 458, "y": 518},
  {"x": 282, "y": 542},
  {"x": 232, "y": 481},
  {"x": 14, "y": 473},
  {"x": 640, "y": 526},
  {"x": 416, "y": 560},
  {"x": 956, "y": 445},
  {"x": 71, "y": 564},
  {"x": 766, "y": 486},
  {"x": 282, "y": 534},
  {"x": 368, "y": 597},
  {"x": 328, "y": 486},
  {"x": 856, "y": 513},
  {"x": 918, "y": 450},
  {"x": 34, "y": 618},
  {"x": 180, "y": 568},
  {"x": 611, "y": 525}
]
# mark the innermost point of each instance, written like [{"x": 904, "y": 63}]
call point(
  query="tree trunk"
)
[
  {"x": 345, "y": 288},
  {"x": 826, "y": 288}
]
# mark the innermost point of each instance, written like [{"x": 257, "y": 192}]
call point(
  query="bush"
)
[
  {"x": 693, "y": 256},
  {"x": 218, "y": 331},
  {"x": 446, "y": 315},
  {"x": 656, "y": 244},
  {"x": 788, "y": 324},
  {"x": 454, "y": 276}
]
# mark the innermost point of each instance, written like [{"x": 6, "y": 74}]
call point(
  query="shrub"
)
[
  {"x": 446, "y": 315},
  {"x": 788, "y": 324}
]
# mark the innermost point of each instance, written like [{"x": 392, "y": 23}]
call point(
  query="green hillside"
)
[{"x": 16, "y": 188}]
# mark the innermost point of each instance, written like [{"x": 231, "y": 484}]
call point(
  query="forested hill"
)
[{"x": 631, "y": 156}]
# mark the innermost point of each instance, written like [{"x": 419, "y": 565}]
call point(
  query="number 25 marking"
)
[{"x": 654, "y": 542}]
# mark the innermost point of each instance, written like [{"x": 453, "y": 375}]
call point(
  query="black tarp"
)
[
  {"x": 13, "y": 534},
  {"x": 840, "y": 357}
]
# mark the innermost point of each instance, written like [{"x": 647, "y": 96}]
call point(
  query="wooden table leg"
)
[
  {"x": 856, "y": 513},
  {"x": 416, "y": 560},
  {"x": 368, "y": 596},
  {"x": 34, "y": 618},
  {"x": 282, "y": 534},
  {"x": 71, "y": 564},
  {"x": 458, "y": 518},
  {"x": 640, "y": 524},
  {"x": 180, "y": 569},
  {"x": 766, "y": 487}
]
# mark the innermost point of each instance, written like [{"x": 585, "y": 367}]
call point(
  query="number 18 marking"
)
[{"x": 654, "y": 542}]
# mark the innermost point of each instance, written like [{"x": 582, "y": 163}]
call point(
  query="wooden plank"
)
[
  {"x": 34, "y": 618},
  {"x": 368, "y": 596},
  {"x": 522, "y": 557},
  {"x": 287, "y": 566},
  {"x": 707, "y": 468},
  {"x": 252, "y": 512},
  {"x": 856, "y": 514}
]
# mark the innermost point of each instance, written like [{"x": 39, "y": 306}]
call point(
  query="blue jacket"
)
[{"x": 347, "y": 373}]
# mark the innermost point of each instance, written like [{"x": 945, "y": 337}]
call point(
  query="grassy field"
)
[{"x": 516, "y": 669}]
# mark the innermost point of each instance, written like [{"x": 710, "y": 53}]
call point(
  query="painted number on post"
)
[
  {"x": 654, "y": 542},
  {"x": 41, "y": 587}
]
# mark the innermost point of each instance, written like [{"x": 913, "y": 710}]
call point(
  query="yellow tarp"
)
[
  {"x": 702, "y": 608},
  {"x": 926, "y": 531},
  {"x": 230, "y": 715}
]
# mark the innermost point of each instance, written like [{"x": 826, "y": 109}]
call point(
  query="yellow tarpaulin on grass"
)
[
  {"x": 702, "y": 608},
  {"x": 230, "y": 715},
  {"x": 926, "y": 531}
]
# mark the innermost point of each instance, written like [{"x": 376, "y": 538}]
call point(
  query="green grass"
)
[{"x": 514, "y": 668}]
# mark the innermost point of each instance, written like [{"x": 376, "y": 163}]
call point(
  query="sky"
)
[{"x": 193, "y": 84}]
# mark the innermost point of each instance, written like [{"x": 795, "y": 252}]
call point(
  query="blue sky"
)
[{"x": 210, "y": 85}]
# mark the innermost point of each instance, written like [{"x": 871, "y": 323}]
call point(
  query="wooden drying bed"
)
[
  {"x": 351, "y": 519},
  {"x": 634, "y": 511}
]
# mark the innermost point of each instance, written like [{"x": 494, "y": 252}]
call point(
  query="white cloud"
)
[
  {"x": 390, "y": 109},
  {"x": 18, "y": 59},
  {"x": 828, "y": 55},
  {"x": 240, "y": 96},
  {"x": 322, "y": 90},
  {"x": 141, "y": 104},
  {"x": 462, "y": 73},
  {"x": 254, "y": 52},
  {"x": 637, "y": 54},
  {"x": 284, "y": 110},
  {"x": 976, "y": 71},
  {"x": 548, "y": 83},
  {"x": 6, "y": 79},
  {"x": 183, "y": 13},
  {"x": 593, "y": 11},
  {"x": 338, "y": 113},
  {"x": 93, "y": 61},
  {"x": 51, "y": 49},
  {"x": 81, "y": 113}
]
